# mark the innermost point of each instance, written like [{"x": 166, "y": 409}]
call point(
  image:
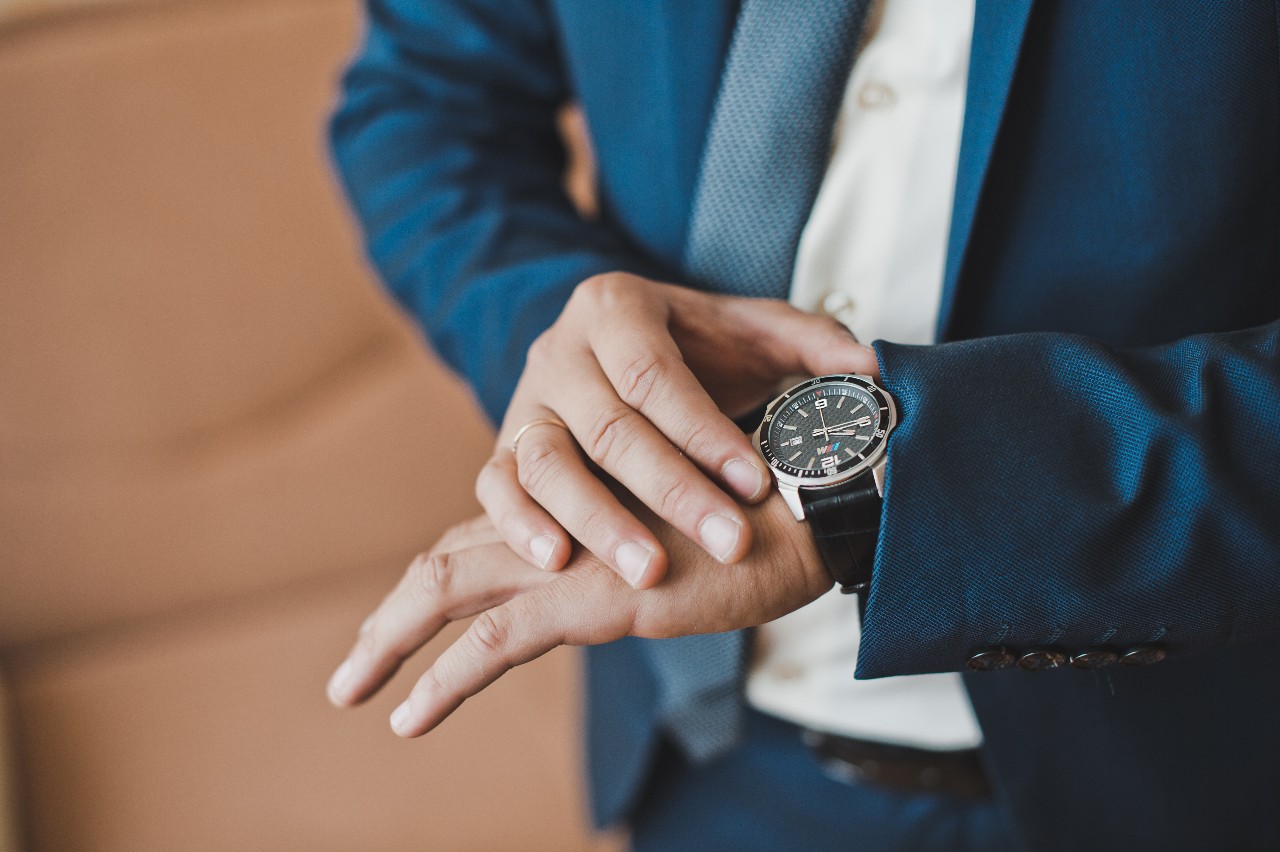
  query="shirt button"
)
[
  {"x": 788, "y": 670},
  {"x": 876, "y": 95},
  {"x": 838, "y": 304}
]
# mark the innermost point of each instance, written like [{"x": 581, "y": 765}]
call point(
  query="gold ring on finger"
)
[{"x": 541, "y": 421}]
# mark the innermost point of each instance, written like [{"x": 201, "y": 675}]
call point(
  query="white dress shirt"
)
[{"x": 872, "y": 255}]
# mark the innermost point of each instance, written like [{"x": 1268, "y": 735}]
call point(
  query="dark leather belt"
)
[{"x": 901, "y": 768}]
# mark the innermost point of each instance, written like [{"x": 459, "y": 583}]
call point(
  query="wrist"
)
[{"x": 784, "y": 540}]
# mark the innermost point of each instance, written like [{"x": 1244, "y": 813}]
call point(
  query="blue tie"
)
[
  {"x": 769, "y": 142},
  {"x": 765, "y": 156}
]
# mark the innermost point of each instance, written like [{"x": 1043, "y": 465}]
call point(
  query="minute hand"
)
[{"x": 862, "y": 421}]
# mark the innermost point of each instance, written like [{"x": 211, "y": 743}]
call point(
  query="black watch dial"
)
[{"x": 825, "y": 427}]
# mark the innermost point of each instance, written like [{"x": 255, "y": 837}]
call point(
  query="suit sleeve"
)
[
  {"x": 1045, "y": 490},
  {"x": 447, "y": 146}
]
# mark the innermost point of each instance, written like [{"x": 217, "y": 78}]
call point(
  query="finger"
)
[
  {"x": 529, "y": 529},
  {"x": 643, "y": 363},
  {"x": 643, "y": 460},
  {"x": 435, "y": 590},
  {"x": 470, "y": 533},
  {"x": 796, "y": 342},
  {"x": 645, "y": 366},
  {"x": 551, "y": 470},
  {"x": 496, "y": 642}
]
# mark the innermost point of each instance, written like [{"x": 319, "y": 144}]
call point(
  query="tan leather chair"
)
[
  {"x": 8, "y": 789},
  {"x": 219, "y": 446}
]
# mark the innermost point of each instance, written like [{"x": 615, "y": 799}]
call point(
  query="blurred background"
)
[{"x": 216, "y": 457}]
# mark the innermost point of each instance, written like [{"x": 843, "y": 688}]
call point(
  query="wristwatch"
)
[{"x": 825, "y": 441}]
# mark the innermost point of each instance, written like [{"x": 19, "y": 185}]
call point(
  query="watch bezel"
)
[{"x": 872, "y": 454}]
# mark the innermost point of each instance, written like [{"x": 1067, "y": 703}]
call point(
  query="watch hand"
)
[
  {"x": 825, "y": 430},
  {"x": 861, "y": 421}
]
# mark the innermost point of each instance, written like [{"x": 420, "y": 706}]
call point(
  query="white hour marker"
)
[
  {"x": 792, "y": 428},
  {"x": 800, "y": 411},
  {"x": 840, "y": 403},
  {"x": 812, "y": 459},
  {"x": 793, "y": 455}
]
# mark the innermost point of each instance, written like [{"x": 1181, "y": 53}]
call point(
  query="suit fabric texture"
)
[{"x": 1091, "y": 457}]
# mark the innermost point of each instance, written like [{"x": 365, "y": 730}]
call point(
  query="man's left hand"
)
[{"x": 522, "y": 612}]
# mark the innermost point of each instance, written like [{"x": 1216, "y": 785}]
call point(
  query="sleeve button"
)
[
  {"x": 1094, "y": 658},
  {"x": 1142, "y": 655},
  {"x": 990, "y": 660},
  {"x": 1041, "y": 659}
]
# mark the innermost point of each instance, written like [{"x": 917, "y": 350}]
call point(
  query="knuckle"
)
[
  {"x": 640, "y": 376},
  {"x": 369, "y": 645},
  {"x": 429, "y": 579},
  {"x": 490, "y": 634},
  {"x": 487, "y": 480},
  {"x": 597, "y": 289},
  {"x": 595, "y": 523},
  {"x": 539, "y": 464},
  {"x": 834, "y": 327},
  {"x": 613, "y": 430},
  {"x": 540, "y": 351},
  {"x": 432, "y": 683},
  {"x": 677, "y": 493},
  {"x": 496, "y": 477},
  {"x": 701, "y": 440}
]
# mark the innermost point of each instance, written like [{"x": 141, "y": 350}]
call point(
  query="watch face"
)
[{"x": 826, "y": 427}]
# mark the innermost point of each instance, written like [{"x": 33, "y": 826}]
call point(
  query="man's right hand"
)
[{"x": 646, "y": 377}]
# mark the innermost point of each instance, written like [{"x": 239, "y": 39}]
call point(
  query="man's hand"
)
[
  {"x": 646, "y": 377},
  {"x": 524, "y": 613}
]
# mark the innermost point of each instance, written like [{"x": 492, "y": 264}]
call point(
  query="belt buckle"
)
[
  {"x": 928, "y": 779},
  {"x": 836, "y": 768}
]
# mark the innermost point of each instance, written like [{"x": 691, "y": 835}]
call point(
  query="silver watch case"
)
[{"x": 788, "y": 485}]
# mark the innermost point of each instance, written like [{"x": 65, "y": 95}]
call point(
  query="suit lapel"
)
[
  {"x": 690, "y": 78},
  {"x": 998, "y": 30}
]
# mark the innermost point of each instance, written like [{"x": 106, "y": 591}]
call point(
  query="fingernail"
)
[
  {"x": 744, "y": 477},
  {"x": 338, "y": 683},
  {"x": 633, "y": 561},
  {"x": 543, "y": 548},
  {"x": 720, "y": 535},
  {"x": 400, "y": 717}
]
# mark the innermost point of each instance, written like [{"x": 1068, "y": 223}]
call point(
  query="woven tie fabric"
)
[
  {"x": 769, "y": 142},
  {"x": 766, "y": 153}
]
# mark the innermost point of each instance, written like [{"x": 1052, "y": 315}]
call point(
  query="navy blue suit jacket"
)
[{"x": 1091, "y": 458}]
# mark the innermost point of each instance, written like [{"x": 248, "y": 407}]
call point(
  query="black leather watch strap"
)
[{"x": 845, "y": 521}]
